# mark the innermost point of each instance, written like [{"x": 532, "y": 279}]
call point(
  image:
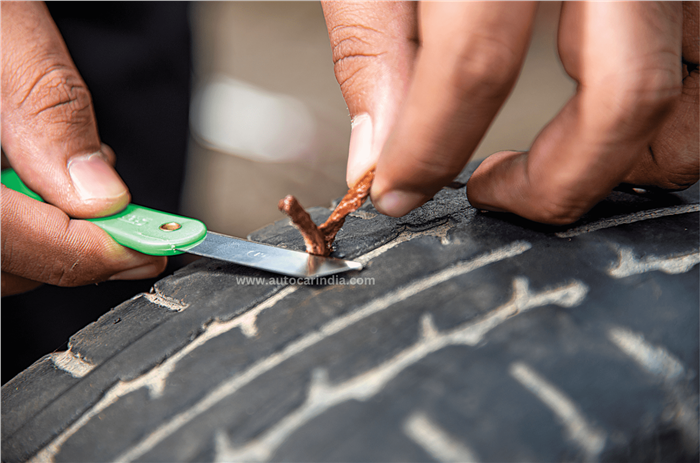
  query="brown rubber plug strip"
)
[{"x": 319, "y": 240}]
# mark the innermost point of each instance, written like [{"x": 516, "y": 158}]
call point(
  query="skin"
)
[
  {"x": 423, "y": 82},
  {"x": 49, "y": 136}
]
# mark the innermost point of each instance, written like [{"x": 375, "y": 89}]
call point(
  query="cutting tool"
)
[{"x": 159, "y": 233}]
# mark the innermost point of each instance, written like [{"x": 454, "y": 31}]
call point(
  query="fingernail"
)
[
  {"x": 360, "y": 155},
  {"x": 138, "y": 273},
  {"x": 94, "y": 178},
  {"x": 397, "y": 203}
]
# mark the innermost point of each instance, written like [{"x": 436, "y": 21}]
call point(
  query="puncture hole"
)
[{"x": 170, "y": 226}]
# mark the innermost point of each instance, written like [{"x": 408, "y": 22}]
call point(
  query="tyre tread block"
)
[{"x": 568, "y": 347}]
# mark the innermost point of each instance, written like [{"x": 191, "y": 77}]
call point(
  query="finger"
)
[
  {"x": 109, "y": 154},
  {"x": 41, "y": 243},
  {"x": 672, "y": 160},
  {"x": 625, "y": 58},
  {"x": 12, "y": 284},
  {"x": 468, "y": 62},
  {"x": 374, "y": 45},
  {"x": 49, "y": 132}
]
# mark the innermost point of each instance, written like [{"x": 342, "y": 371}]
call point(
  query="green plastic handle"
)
[{"x": 146, "y": 230}]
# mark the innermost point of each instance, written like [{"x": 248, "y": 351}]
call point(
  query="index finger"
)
[
  {"x": 469, "y": 58},
  {"x": 41, "y": 243}
]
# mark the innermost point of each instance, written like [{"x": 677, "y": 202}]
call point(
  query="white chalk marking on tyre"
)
[
  {"x": 629, "y": 218},
  {"x": 439, "y": 231},
  {"x": 428, "y": 330},
  {"x": 247, "y": 322},
  {"x": 628, "y": 264},
  {"x": 659, "y": 362},
  {"x": 322, "y": 395},
  {"x": 588, "y": 437},
  {"x": 260, "y": 367},
  {"x": 154, "y": 380},
  {"x": 249, "y": 325},
  {"x": 71, "y": 363},
  {"x": 158, "y": 298},
  {"x": 436, "y": 442}
]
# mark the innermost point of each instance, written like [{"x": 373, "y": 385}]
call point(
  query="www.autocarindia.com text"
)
[{"x": 329, "y": 280}]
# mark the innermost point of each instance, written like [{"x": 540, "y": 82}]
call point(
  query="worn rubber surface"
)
[{"x": 474, "y": 336}]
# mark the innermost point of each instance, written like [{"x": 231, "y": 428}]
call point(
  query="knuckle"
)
[
  {"x": 556, "y": 205},
  {"x": 678, "y": 183},
  {"x": 644, "y": 96},
  {"x": 354, "y": 47},
  {"x": 556, "y": 213},
  {"x": 677, "y": 179},
  {"x": 353, "y": 40},
  {"x": 488, "y": 68},
  {"x": 58, "y": 96}
]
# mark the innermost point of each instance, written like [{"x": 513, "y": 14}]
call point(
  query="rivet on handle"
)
[{"x": 170, "y": 226}]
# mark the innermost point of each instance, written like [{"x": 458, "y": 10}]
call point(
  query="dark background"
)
[{"x": 136, "y": 60}]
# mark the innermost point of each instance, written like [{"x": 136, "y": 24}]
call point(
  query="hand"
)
[
  {"x": 424, "y": 81},
  {"x": 50, "y": 138}
]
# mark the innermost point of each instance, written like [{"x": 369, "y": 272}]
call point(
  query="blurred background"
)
[
  {"x": 217, "y": 110},
  {"x": 268, "y": 119}
]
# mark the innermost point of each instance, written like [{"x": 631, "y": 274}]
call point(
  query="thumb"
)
[
  {"x": 374, "y": 45},
  {"x": 49, "y": 133}
]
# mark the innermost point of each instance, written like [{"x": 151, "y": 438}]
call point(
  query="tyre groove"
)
[
  {"x": 154, "y": 380},
  {"x": 71, "y": 363},
  {"x": 629, "y": 218},
  {"x": 436, "y": 442},
  {"x": 660, "y": 363},
  {"x": 628, "y": 264},
  {"x": 588, "y": 437},
  {"x": 322, "y": 395},
  {"x": 262, "y": 366}
]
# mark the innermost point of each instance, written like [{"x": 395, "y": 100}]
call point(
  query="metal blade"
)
[{"x": 270, "y": 258}]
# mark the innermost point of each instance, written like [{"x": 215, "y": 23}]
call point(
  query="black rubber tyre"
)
[{"x": 473, "y": 336}]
